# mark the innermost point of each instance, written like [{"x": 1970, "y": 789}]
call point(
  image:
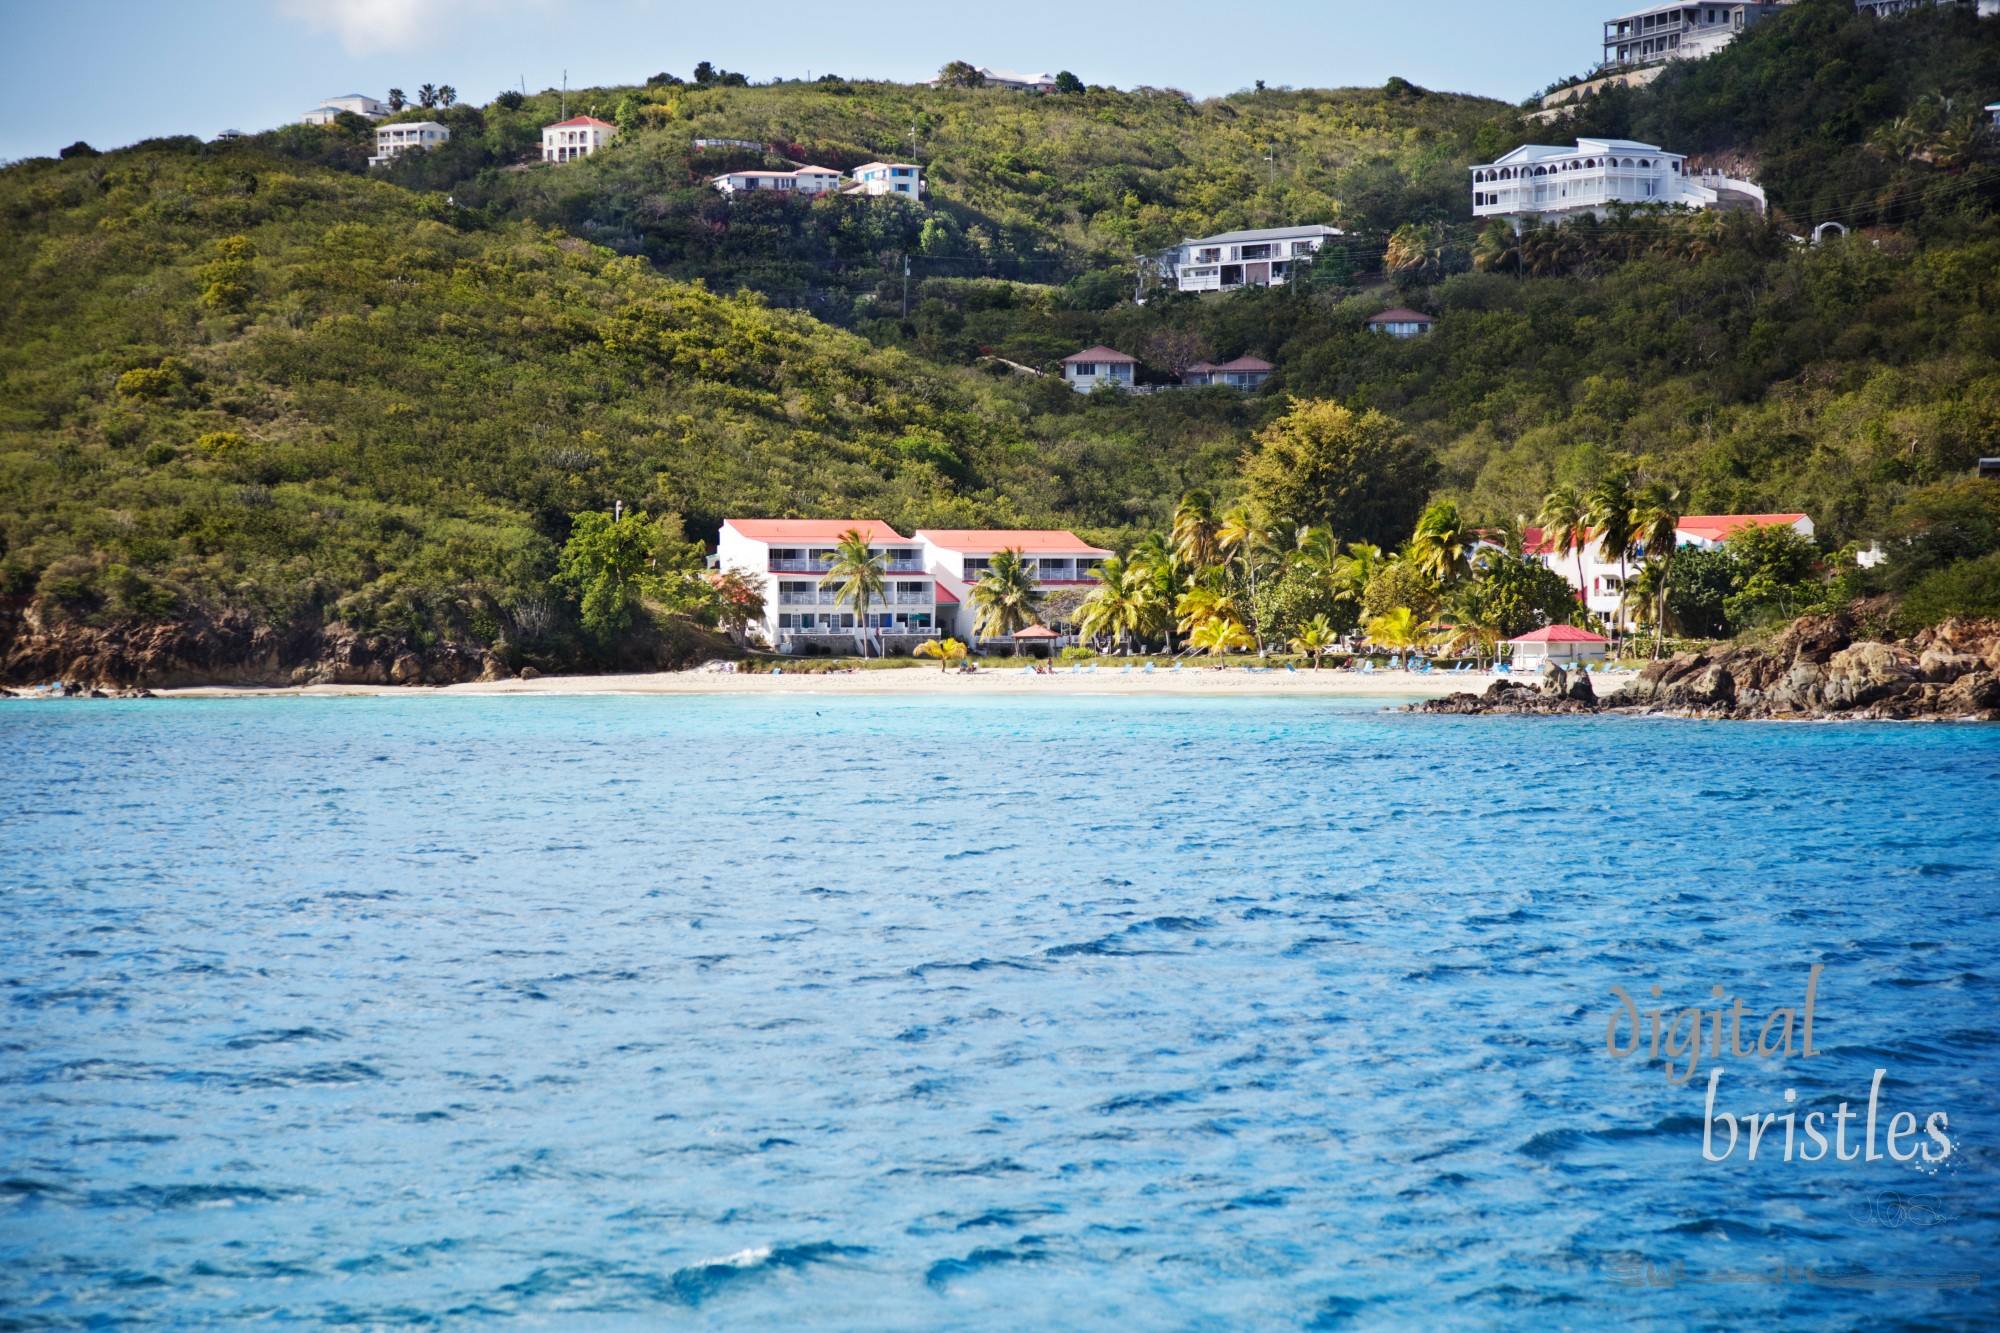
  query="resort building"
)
[
  {"x": 957, "y": 558},
  {"x": 1677, "y": 31},
  {"x": 702, "y": 144},
  {"x": 791, "y": 555},
  {"x": 1542, "y": 181},
  {"x": 1401, "y": 322},
  {"x": 903, "y": 178},
  {"x": 1233, "y": 259},
  {"x": 1245, "y": 372},
  {"x": 1008, "y": 78},
  {"x": 366, "y": 107},
  {"x": 1563, "y": 645},
  {"x": 392, "y": 141},
  {"x": 1093, "y": 366},
  {"x": 804, "y": 181},
  {"x": 579, "y": 136},
  {"x": 1603, "y": 578}
]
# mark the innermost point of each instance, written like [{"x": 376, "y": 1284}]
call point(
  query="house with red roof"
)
[
  {"x": 958, "y": 557},
  {"x": 1401, "y": 322},
  {"x": 791, "y": 556},
  {"x": 1245, "y": 372},
  {"x": 1599, "y": 575},
  {"x": 579, "y": 136},
  {"x": 1085, "y": 370}
]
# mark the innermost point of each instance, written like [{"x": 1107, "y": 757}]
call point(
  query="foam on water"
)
[{"x": 995, "y": 1013}]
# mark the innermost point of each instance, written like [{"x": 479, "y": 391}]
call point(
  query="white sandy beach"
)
[{"x": 1386, "y": 685}]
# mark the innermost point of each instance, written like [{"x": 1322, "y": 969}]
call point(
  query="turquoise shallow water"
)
[{"x": 1001, "y": 1013}]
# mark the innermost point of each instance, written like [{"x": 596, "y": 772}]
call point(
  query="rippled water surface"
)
[{"x": 997, "y": 1013}]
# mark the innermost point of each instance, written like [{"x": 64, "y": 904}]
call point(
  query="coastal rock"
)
[
  {"x": 1940, "y": 663},
  {"x": 1868, "y": 673},
  {"x": 1976, "y": 692}
]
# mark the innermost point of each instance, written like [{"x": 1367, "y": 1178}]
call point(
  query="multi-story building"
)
[
  {"x": 791, "y": 556},
  {"x": 1085, "y": 370},
  {"x": 804, "y": 181},
  {"x": 1245, "y": 372},
  {"x": 366, "y": 107},
  {"x": 1678, "y": 31},
  {"x": 579, "y": 136},
  {"x": 899, "y": 178},
  {"x": 957, "y": 558},
  {"x": 392, "y": 141},
  {"x": 1260, "y": 258},
  {"x": 1603, "y": 576},
  {"x": 1540, "y": 180}
]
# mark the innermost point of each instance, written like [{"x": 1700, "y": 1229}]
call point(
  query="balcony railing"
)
[
  {"x": 830, "y": 597},
  {"x": 822, "y": 566}
]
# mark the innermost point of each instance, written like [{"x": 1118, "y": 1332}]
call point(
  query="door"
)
[{"x": 1257, "y": 275}]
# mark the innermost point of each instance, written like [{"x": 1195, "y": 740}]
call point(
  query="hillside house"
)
[
  {"x": 366, "y": 107},
  {"x": 1887, "y": 8},
  {"x": 1043, "y": 82},
  {"x": 1245, "y": 372},
  {"x": 579, "y": 136},
  {"x": 1234, "y": 259},
  {"x": 1542, "y": 181},
  {"x": 899, "y": 178},
  {"x": 1093, "y": 366},
  {"x": 1401, "y": 322},
  {"x": 804, "y": 181},
  {"x": 703, "y": 144},
  {"x": 791, "y": 555},
  {"x": 392, "y": 141},
  {"x": 957, "y": 558},
  {"x": 1677, "y": 32},
  {"x": 1603, "y": 585}
]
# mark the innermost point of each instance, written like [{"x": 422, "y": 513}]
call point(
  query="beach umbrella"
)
[{"x": 1033, "y": 634}]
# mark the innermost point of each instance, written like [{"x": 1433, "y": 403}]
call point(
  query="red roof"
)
[
  {"x": 945, "y": 596},
  {"x": 1028, "y": 541},
  {"x": 1561, "y": 634},
  {"x": 1245, "y": 363},
  {"x": 1100, "y": 354},
  {"x": 1717, "y": 527},
  {"x": 812, "y": 529},
  {"x": 1403, "y": 315},
  {"x": 575, "y": 122}
]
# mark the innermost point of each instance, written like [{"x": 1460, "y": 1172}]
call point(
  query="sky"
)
[{"x": 111, "y": 72}]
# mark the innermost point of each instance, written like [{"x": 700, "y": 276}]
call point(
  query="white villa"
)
[
  {"x": 392, "y": 141},
  {"x": 1043, "y": 82},
  {"x": 1085, "y": 370},
  {"x": 1603, "y": 585},
  {"x": 324, "y": 113},
  {"x": 904, "y": 178},
  {"x": 1233, "y": 259},
  {"x": 791, "y": 554},
  {"x": 1401, "y": 322},
  {"x": 579, "y": 136},
  {"x": 1539, "y": 180},
  {"x": 806, "y": 180},
  {"x": 958, "y": 557},
  {"x": 1678, "y": 31},
  {"x": 1245, "y": 372}
]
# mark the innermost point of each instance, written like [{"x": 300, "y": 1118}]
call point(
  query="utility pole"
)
[
  {"x": 617, "y": 511},
  {"x": 906, "y": 284},
  {"x": 565, "y": 97}
]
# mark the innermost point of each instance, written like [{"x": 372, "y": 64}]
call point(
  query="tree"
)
[
  {"x": 1314, "y": 638},
  {"x": 1114, "y": 607},
  {"x": 860, "y": 579},
  {"x": 1514, "y": 595},
  {"x": 612, "y": 563},
  {"x": 1399, "y": 630},
  {"x": 396, "y": 102},
  {"x": 1657, "y": 516},
  {"x": 704, "y": 74},
  {"x": 1219, "y": 635},
  {"x": 447, "y": 95},
  {"x": 739, "y": 601},
  {"x": 946, "y": 651},
  {"x": 1195, "y": 529},
  {"x": 509, "y": 99},
  {"x": 1396, "y": 583},
  {"x": 1241, "y": 542},
  {"x": 1068, "y": 83},
  {"x": 428, "y": 94},
  {"x": 1007, "y": 597},
  {"x": 1159, "y": 580},
  {"x": 1565, "y": 524},
  {"x": 1353, "y": 571},
  {"x": 1205, "y": 602},
  {"x": 1613, "y": 513},
  {"x": 1442, "y": 545},
  {"x": 1323, "y": 465},
  {"x": 959, "y": 74}
]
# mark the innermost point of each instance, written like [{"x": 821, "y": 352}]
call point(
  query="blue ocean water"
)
[{"x": 990, "y": 1013}]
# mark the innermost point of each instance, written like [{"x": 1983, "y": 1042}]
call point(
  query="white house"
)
[
  {"x": 790, "y": 555},
  {"x": 1678, "y": 31},
  {"x": 957, "y": 558},
  {"x": 579, "y": 136},
  {"x": 1603, "y": 579},
  {"x": 804, "y": 181},
  {"x": 1401, "y": 322},
  {"x": 1093, "y": 366},
  {"x": 701, "y": 144},
  {"x": 1245, "y": 372},
  {"x": 1043, "y": 82},
  {"x": 323, "y": 114},
  {"x": 392, "y": 141},
  {"x": 1539, "y": 180},
  {"x": 903, "y": 178},
  {"x": 1563, "y": 645},
  {"x": 1885, "y": 8},
  {"x": 1233, "y": 259}
]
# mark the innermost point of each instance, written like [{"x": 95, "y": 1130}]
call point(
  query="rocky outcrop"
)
[
  {"x": 1815, "y": 669},
  {"x": 1560, "y": 691}
]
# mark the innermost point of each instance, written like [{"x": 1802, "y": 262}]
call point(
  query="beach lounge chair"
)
[
  {"x": 1367, "y": 666},
  {"x": 1149, "y": 668},
  {"x": 1502, "y": 669},
  {"x": 1289, "y": 667}
]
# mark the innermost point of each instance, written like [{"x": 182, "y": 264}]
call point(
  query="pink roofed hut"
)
[
  {"x": 1564, "y": 645},
  {"x": 1031, "y": 635}
]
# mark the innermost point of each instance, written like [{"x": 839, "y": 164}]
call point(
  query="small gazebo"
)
[
  {"x": 1564, "y": 645},
  {"x": 1030, "y": 635}
]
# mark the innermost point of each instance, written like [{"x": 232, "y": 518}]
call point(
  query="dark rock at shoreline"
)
[{"x": 1815, "y": 669}]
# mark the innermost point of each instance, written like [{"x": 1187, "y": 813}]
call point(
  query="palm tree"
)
[
  {"x": 1157, "y": 579},
  {"x": 1352, "y": 572},
  {"x": 428, "y": 94},
  {"x": 1241, "y": 541},
  {"x": 1204, "y": 602},
  {"x": 1658, "y": 518},
  {"x": 860, "y": 574},
  {"x": 1442, "y": 545},
  {"x": 1315, "y": 550},
  {"x": 1218, "y": 635},
  {"x": 1195, "y": 527},
  {"x": 1565, "y": 524},
  {"x": 1315, "y": 637},
  {"x": 396, "y": 102},
  {"x": 1613, "y": 515},
  {"x": 1006, "y": 597},
  {"x": 1115, "y": 605},
  {"x": 946, "y": 651},
  {"x": 446, "y": 94},
  {"x": 1642, "y": 600},
  {"x": 1399, "y": 629}
]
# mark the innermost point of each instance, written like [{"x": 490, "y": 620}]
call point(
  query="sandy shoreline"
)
[{"x": 914, "y": 680}]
